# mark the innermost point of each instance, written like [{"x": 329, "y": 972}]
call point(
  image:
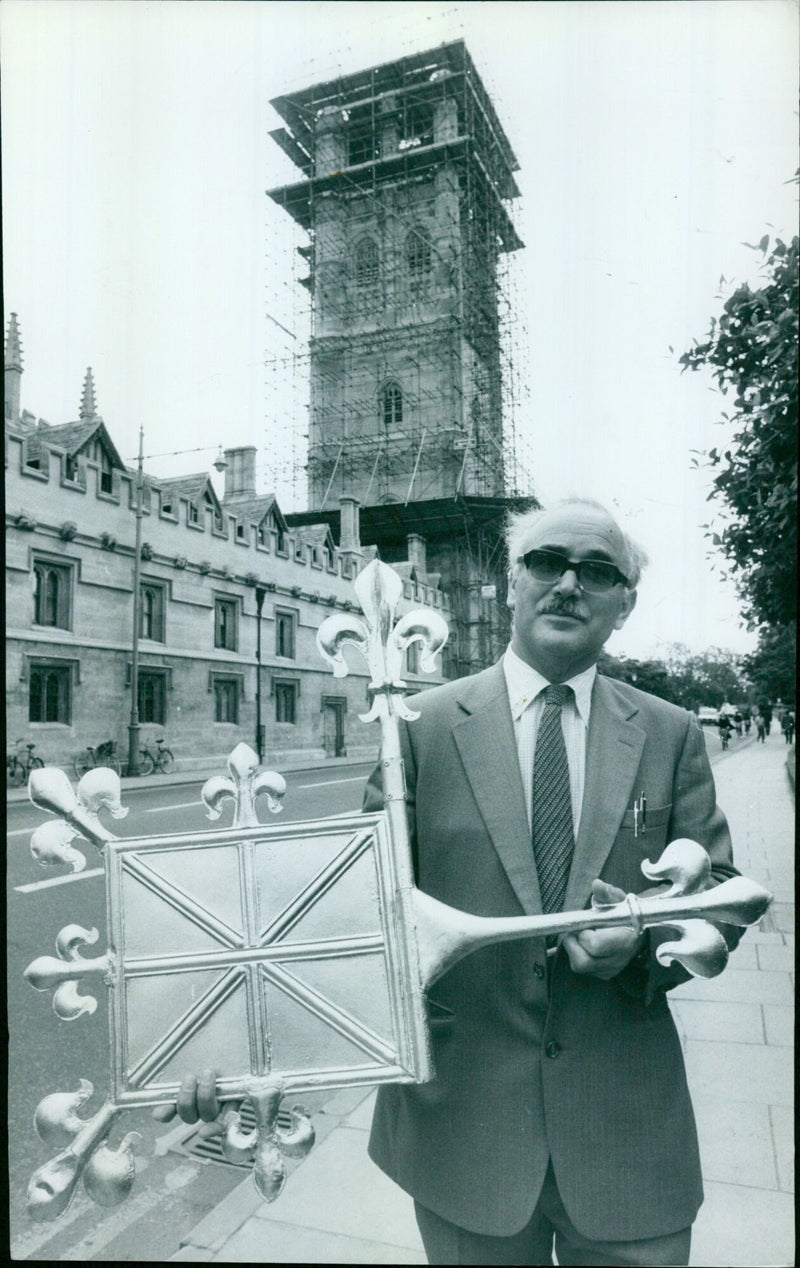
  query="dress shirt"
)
[{"x": 525, "y": 686}]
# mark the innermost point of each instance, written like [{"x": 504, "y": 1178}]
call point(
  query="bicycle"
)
[
  {"x": 104, "y": 755},
  {"x": 160, "y": 760},
  {"x": 19, "y": 765}
]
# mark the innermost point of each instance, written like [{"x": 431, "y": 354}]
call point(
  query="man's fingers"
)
[
  {"x": 186, "y": 1101},
  {"x": 208, "y": 1106},
  {"x": 164, "y": 1113}
]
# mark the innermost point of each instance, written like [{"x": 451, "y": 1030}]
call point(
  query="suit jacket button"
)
[
  {"x": 552, "y": 1049},
  {"x": 538, "y": 969}
]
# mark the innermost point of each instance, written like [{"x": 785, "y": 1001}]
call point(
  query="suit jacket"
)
[{"x": 531, "y": 1064}]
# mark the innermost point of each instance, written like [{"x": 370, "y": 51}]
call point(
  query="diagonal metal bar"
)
[
  {"x": 172, "y": 894},
  {"x": 355, "y": 1031},
  {"x": 320, "y": 884},
  {"x": 193, "y": 1020}
]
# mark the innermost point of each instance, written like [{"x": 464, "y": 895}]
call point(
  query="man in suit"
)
[{"x": 560, "y": 1114}]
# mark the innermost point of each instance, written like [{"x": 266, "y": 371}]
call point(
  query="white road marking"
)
[
  {"x": 181, "y": 805},
  {"x": 20, "y": 832},
  {"x": 59, "y": 880},
  {"x": 328, "y": 783}
]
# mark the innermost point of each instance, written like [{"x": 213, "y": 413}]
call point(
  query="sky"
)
[{"x": 655, "y": 140}]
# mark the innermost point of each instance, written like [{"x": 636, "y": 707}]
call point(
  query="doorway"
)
[{"x": 334, "y": 709}]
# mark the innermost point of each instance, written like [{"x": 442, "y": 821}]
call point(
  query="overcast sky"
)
[{"x": 654, "y": 141}]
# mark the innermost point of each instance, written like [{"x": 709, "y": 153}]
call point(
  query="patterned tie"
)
[{"x": 551, "y": 819}]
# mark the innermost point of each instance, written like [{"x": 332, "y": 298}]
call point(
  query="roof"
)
[
  {"x": 73, "y": 437},
  {"x": 314, "y": 534},
  {"x": 192, "y": 487},
  {"x": 254, "y": 509}
]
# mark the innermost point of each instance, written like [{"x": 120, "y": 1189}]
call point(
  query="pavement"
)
[{"x": 737, "y": 1035}]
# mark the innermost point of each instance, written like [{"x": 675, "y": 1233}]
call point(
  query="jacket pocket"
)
[
  {"x": 440, "y": 1017},
  {"x": 656, "y": 817}
]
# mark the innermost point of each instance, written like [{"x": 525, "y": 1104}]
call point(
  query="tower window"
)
[
  {"x": 362, "y": 140},
  {"x": 418, "y": 254},
  {"x": 417, "y": 123},
  {"x": 392, "y": 405},
  {"x": 366, "y": 263}
]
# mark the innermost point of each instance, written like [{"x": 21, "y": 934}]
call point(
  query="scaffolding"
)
[{"x": 414, "y": 327}]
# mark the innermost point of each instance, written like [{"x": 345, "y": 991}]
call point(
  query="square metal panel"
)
[{"x": 262, "y": 951}]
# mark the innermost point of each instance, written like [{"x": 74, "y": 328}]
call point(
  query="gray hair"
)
[{"x": 520, "y": 523}]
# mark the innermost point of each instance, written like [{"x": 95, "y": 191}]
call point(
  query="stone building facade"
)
[{"x": 205, "y": 563}]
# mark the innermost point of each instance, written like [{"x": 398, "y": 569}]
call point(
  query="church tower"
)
[
  {"x": 407, "y": 179},
  {"x": 407, "y": 182}
]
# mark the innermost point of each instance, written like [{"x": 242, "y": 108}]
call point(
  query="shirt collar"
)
[{"x": 524, "y": 684}]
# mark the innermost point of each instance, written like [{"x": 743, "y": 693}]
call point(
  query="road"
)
[{"x": 172, "y": 1191}]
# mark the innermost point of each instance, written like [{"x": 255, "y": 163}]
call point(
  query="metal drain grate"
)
[{"x": 209, "y": 1148}]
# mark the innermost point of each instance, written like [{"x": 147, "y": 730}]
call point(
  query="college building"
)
[{"x": 226, "y": 585}]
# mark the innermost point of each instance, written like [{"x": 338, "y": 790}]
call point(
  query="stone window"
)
[
  {"x": 285, "y": 702},
  {"x": 225, "y": 624},
  {"x": 152, "y": 696},
  {"x": 366, "y": 263},
  {"x": 50, "y": 696},
  {"x": 52, "y": 585},
  {"x": 152, "y": 624},
  {"x": 392, "y": 405},
  {"x": 226, "y": 699},
  {"x": 418, "y": 256},
  {"x": 285, "y": 633},
  {"x": 363, "y": 143},
  {"x": 412, "y": 658}
]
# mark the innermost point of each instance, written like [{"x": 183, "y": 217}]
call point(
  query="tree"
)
[
  {"x": 687, "y": 678},
  {"x": 752, "y": 350},
  {"x": 772, "y": 667}
]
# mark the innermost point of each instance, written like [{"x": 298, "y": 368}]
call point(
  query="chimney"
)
[
  {"x": 349, "y": 530},
  {"x": 417, "y": 552},
  {"x": 240, "y": 473}
]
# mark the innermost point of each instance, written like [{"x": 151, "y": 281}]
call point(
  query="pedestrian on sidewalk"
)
[
  {"x": 761, "y": 727},
  {"x": 560, "y": 1116},
  {"x": 787, "y": 725}
]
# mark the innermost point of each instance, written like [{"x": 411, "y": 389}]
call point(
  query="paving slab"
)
[
  {"x": 719, "y": 1023},
  {"x": 747, "y": 1072},
  {"x": 783, "y": 1138},
  {"x": 738, "y": 986},
  {"x": 779, "y": 1025},
  {"x": 736, "y": 1143},
  {"x": 739, "y": 1227},
  {"x": 775, "y": 958},
  {"x": 274, "y": 1243}
]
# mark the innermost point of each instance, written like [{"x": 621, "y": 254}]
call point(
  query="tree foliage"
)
[
  {"x": 772, "y": 667},
  {"x": 752, "y": 352},
  {"x": 689, "y": 679}
]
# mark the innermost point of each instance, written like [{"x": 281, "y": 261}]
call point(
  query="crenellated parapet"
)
[{"x": 81, "y": 504}]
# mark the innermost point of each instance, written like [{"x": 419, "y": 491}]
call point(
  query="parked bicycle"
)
[
  {"x": 19, "y": 765},
  {"x": 159, "y": 760},
  {"x": 104, "y": 755}
]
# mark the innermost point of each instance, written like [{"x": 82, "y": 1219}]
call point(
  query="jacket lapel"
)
[
  {"x": 488, "y": 749},
  {"x": 613, "y": 751}
]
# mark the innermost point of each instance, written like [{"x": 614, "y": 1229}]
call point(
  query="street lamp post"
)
[
  {"x": 260, "y": 596},
  {"x": 133, "y": 728}
]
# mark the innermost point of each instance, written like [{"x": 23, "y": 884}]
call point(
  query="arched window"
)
[
  {"x": 366, "y": 263},
  {"x": 392, "y": 405},
  {"x": 418, "y": 255}
]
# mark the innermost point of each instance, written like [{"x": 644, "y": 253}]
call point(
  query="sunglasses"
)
[{"x": 595, "y": 576}]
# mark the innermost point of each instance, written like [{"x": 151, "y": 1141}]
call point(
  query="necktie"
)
[{"x": 551, "y": 819}]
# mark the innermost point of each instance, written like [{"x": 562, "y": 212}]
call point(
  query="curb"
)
[{"x": 176, "y": 778}]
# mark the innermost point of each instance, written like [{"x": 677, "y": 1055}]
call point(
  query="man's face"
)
[{"x": 559, "y": 628}]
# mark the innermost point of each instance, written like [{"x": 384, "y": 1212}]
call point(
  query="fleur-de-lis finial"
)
[
  {"x": 51, "y": 790},
  {"x": 381, "y": 643},
  {"x": 244, "y": 786},
  {"x": 267, "y": 1145}
]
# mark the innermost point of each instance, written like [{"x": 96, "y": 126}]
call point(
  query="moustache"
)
[{"x": 563, "y": 607}]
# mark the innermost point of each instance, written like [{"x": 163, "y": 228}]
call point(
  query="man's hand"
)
[
  {"x": 602, "y": 953},
  {"x": 197, "y": 1099}
]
